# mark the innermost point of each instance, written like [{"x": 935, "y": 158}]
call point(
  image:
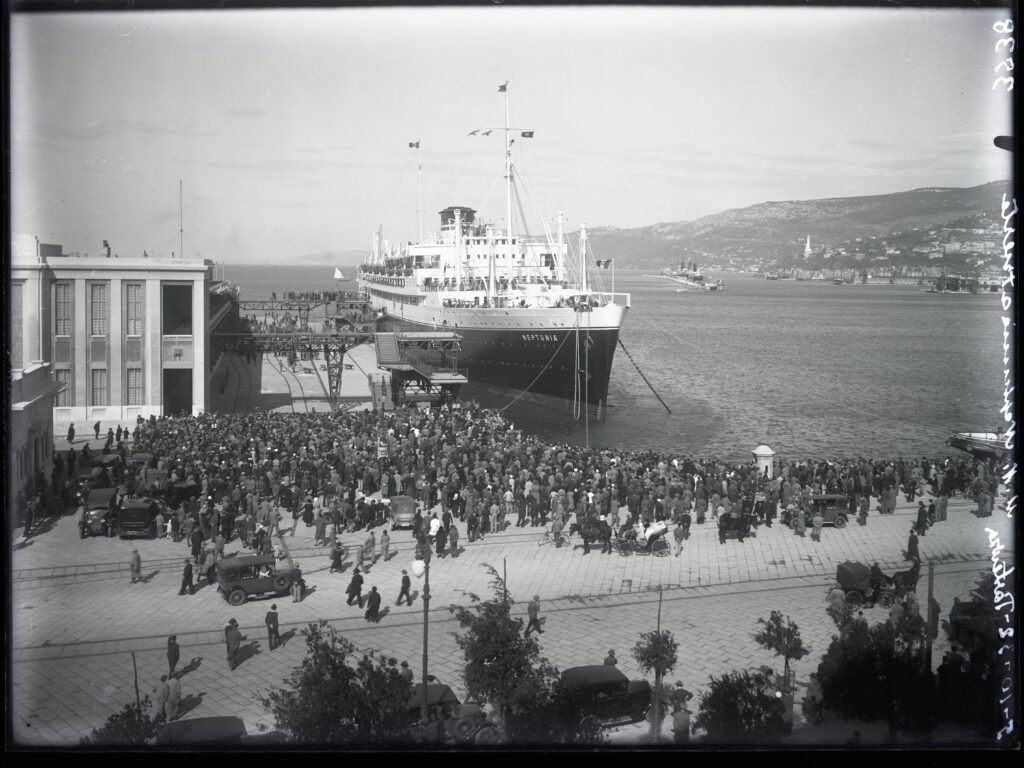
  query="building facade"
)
[
  {"x": 30, "y": 451},
  {"x": 125, "y": 337}
]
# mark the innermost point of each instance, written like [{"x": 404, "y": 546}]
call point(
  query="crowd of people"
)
[{"x": 468, "y": 463}]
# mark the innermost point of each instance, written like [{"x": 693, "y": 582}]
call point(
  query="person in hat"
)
[
  {"x": 233, "y": 641},
  {"x": 355, "y": 588},
  {"x": 186, "y": 579},
  {"x": 273, "y": 635},
  {"x": 373, "y": 605},
  {"x": 406, "y": 673},
  {"x": 136, "y": 566},
  {"x": 533, "y": 611},
  {"x": 406, "y": 586}
]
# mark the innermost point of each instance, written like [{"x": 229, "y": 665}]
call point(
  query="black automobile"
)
[
  {"x": 834, "y": 508},
  {"x": 240, "y": 577},
  {"x": 98, "y": 515},
  {"x": 603, "y": 691},
  {"x": 137, "y": 517},
  {"x": 449, "y": 721}
]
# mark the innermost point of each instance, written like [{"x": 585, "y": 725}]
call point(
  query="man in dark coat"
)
[
  {"x": 233, "y": 641},
  {"x": 723, "y": 526},
  {"x": 71, "y": 433},
  {"x": 406, "y": 586},
  {"x": 442, "y": 541},
  {"x": 197, "y": 543},
  {"x": 273, "y": 635},
  {"x": 355, "y": 588},
  {"x": 922, "y": 519},
  {"x": 373, "y": 605},
  {"x": 173, "y": 654},
  {"x": 96, "y": 428},
  {"x": 453, "y": 540},
  {"x": 186, "y": 579},
  {"x": 912, "y": 553}
]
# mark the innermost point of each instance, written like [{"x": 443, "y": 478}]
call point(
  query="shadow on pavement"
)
[
  {"x": 188, "y": 703},
  {"x": 192, "y": 666},
  {"x": 247, "y": 651},
  {"x": 146, "y": 579},
  {"x": 25, "y": 543},
  {"x": 286, "y": 636},
  {"x": 308, "y": 591}
]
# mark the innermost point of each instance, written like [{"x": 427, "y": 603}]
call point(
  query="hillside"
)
[{"x": 778, "y": 230}]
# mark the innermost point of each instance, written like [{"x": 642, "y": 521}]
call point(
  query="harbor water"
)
[{"x": 810, "y": 368}]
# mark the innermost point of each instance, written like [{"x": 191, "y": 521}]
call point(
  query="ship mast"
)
[
  {"x": 419, "y": 189},
  {"x": 508, "y": 171}
]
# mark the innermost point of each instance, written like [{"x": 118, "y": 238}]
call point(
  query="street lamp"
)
[{"x": 421, "y": 567}]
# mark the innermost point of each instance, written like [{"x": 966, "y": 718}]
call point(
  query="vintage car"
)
[
  {"x": 112, "y": 463},
  {"x": 212, "y": 732},
  {"x": 97, "y": 513},
  {"x": 93, "y": 477},
  {"x": 448, "y": 720},
  {"x": 240, "y": 577},
  {"x": 137, "y": 517},
  {"x": 606, "y": 693},
  {"x": 834, "y": 507},
  {"x": 142, "y": 461},
  {"x": 402, "y": 511}
]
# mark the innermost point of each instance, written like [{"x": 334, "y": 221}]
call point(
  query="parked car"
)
[
  {"x": 93, "y": 477},
  {"x": 834, "y": 507},
  {"x": 112, "y": 463},
  {"x": 240, "y": 577},
  {"x": 137, "y": 517},
  {"x": 603, "y": 691},
  {"x": 449, "y": 721},
  {"x": 403, "y": 511},
  {"x": 97, "y": 513},
  {"x": 213, "y": 731},
  {"x": 143, "y": 461}
]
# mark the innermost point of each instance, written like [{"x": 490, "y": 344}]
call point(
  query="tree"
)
[
  {"x": 879, "y": 672},
  {"x": 505, "y": 668},
  {"x": 656, "y": 652},
  {"x": 781, "y": 635},
  {"x": 339, "y": 696},
  {"x": 132, "y": 725},
  {"x": 742, "y": 707}
]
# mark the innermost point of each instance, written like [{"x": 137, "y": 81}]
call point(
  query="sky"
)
[{"x": 289, "y": 130}]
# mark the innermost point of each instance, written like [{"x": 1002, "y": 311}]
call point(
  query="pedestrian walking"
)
[
  {"x": 442, "y": 541},
  {"x": 96, "y": 428},
  {"x": 533, "y": 611},
  {"x": 186, "y": 579},
  {"x": 71, "y": 435},
  {"x": 406, "y": 673},
  {"x": 173, "y": 654},
  {"x": 355, "y": 588},
  {"x": 817, "y": 522},
  {"x": 685, "y": 521},
  {"x": 912, "y": 551},
  {"x": 406, "y": 585},
  {"x": 136, "y": 566},
  {"x": 173, "y": 699},
  {"x": 233, "y": 641},
  {"x": 453, "y": 539},
  {"x": 801, "y": 522},
  {"x": 337, "y": 555},
  {"x": 273, "y": 635},
  {"x": 373, "y": 605},
  {"x": 369, "y": 551},
  {"x": 680, "y": 535},
  {"x": 922, "y": 519},
  {"x": 298, "y": 589},
  {"x": 385, "y": 545}
]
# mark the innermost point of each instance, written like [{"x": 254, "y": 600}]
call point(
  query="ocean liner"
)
[{"x": 529, "y": 318}]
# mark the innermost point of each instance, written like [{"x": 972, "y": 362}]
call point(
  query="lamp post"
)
[{"x": 421, "y": 567}]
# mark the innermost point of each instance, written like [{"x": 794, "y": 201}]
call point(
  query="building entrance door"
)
[{"x": 177, "y": 391}]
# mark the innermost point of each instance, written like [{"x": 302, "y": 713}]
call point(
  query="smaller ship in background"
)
[{"x": 688, "y": 274}]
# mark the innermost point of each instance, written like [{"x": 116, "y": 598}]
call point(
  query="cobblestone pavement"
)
[{"x": 77, "y": 619}]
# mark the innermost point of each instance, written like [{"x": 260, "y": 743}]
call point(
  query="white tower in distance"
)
[{"x": 807, "y": 248}]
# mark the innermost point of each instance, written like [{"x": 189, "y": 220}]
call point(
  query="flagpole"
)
[
  {"x": 508, "y": 172},
  {"x": 419, "y": 189}
]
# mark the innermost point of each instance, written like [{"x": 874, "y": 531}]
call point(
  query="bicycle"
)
[{"x": 549, "y": 537}]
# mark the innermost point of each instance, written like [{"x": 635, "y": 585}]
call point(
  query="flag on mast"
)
[
  {"x": 604, "y": 263},
  {"x": 414, "y": 145},
  {"x": 503, "y": 88},
  {"x": 527, "y": 134}
]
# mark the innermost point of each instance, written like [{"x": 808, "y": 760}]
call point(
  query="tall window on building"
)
[
  {"x": 98, "y": 309},
  {"x": 100, "y": 393},
  {"x": 62, "y": 309},
  {"x": 133, "y": 309},
  {"x": 63, "y": 376},
  {"x": 177, "y": 309},
  {"x": 17, "y": 326},
  {"x": 135, "y": 386}
]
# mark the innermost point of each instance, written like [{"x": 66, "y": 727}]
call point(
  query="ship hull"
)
[{"x": 571, "y": 364}]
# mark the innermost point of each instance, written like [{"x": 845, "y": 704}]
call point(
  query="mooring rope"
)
[{"x": 651, "y": 386}]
